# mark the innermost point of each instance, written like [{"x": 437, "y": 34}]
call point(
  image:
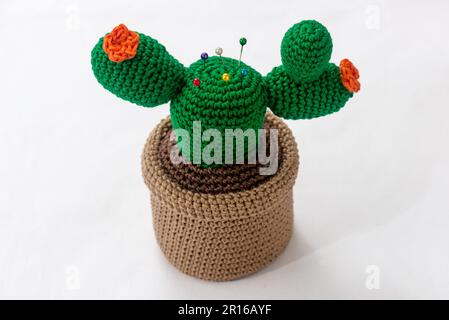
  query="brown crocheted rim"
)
[
  {"x": 231, "y": 205},
  {"x": 227, "y": 178}
]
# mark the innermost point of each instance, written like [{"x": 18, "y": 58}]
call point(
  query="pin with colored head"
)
[
  {"x": 219, "y": 52},
  {"x": 225, "y": 77},
  {"x": 243, "y": 73},
  {"x": 196, "y": 82},
  {"x": 204, "y": 57},
  {"x": 242, "y": 43}
]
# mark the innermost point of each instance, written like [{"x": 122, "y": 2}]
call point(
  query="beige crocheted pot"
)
[{"x": 227, "y": 235}]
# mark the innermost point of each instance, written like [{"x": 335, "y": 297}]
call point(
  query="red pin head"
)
[{"x": 196, "y": 82}]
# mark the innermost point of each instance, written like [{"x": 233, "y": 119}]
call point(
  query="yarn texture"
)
[
  {"x": 121, "y": 44},
  {"x": 221, "y": 93},
  {"x": 306, "y": 50},
  {"x": 228, "y": 178},
  {"x": 219, "y": 221},
  {"x": 349, "y": 76},
  {"x": 306, "y": 100},
  {"x": 238, "y": 103},
  {"x": 152, "y": 77},
  {"x": 226, "y": 235}
]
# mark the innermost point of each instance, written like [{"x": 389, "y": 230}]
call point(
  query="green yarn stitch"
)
[
  {"x": 239, "y": 103},
  {"x": 150, "y": 79},
  {"x": 305, "y": 86},
  {"x": 291, "y": 100},
  {"x": 306, "y": 50}
]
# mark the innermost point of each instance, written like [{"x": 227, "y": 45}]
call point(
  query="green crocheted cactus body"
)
[
  {"x": 151, "y": 78},
  {"x": 222, "y": 93},
  {"x": 239, "y": 103},
  {"x": 306, "y": 50},
  {"x": 306, "y": 100}
]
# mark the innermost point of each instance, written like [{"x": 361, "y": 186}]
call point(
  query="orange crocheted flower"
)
[
  {"x": 349, "y": 76},
  {"x": 121, "y": 44}
]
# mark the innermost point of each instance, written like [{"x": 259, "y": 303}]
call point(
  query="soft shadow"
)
[{"x": 297, "y": 248}]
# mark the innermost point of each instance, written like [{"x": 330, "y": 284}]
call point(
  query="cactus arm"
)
[
  {"x": 307, "y": 85},
  {"x": 306, "y": 100},
  {"x": 136, "y": 68}
]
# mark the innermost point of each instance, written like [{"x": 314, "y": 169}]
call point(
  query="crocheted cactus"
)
[
  {"x": 306, "y": 50},
  {"x": 307, "y": 85},
  {"x": 223, "y": 93},
  {"x": 145, "y": 74},
  {"x": 238, "y": 103}
]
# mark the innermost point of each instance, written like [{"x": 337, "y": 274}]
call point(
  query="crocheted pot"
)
[{"x": 224, "y": 235}]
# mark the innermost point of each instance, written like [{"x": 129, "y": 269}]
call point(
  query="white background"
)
[{"x": 75, "y": 218}]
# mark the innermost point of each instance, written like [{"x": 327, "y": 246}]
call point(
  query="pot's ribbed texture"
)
[{"x": 222, "y": 236}]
